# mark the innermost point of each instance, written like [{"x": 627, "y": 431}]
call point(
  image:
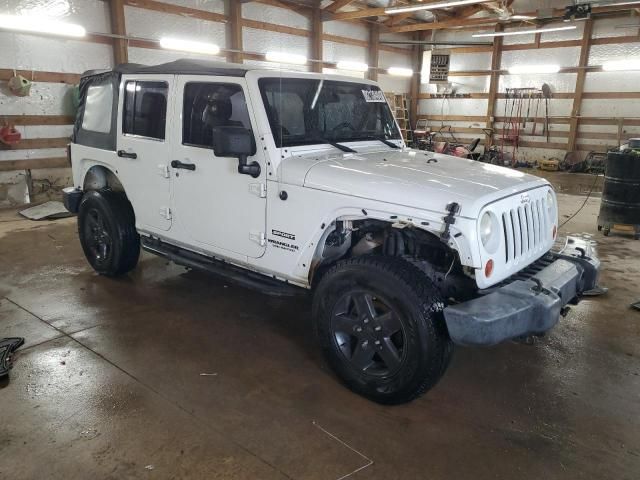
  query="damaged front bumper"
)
[{"x": 528, "y": 303}]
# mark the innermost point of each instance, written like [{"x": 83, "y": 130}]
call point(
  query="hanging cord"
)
[{"x": 583, "y": 204}]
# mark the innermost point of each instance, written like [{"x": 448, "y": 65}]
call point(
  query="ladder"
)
[{"x": 401, "y": 112}]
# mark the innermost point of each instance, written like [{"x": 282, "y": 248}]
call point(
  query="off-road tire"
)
[
  {"x": 417, "y": 303},
  {"x": 111, "y": 212}
]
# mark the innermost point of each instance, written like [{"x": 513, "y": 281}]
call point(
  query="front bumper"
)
[{"x": 526, "y": 305}]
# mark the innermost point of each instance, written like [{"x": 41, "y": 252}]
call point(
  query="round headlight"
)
[{"x": 486, "y": 229}]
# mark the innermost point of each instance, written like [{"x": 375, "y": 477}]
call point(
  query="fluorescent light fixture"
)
[
  {"x": 431, "y": 6},
  {"x": 525, "y": 69},
  {"x": 400, "y": 72},
  {"x": 621, "y": 65},
  {"x": 189, "y": 46},
  {"x": 524, "y": 32},
  {"x": 27, "y": 23},
  {"x": 281, "y": 57},
  {"x": 354, "y": 66}
]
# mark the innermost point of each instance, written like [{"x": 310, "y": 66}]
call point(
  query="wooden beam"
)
[
  {"x": 35, "y": 143},
  {"x": 337, "y": 5},
  {"x": 39, "y": 76},
  {"x": 374, "y": 51},
  {"x": 38, "y": 119},
  {"x": 234, "y": 31},
  {"x": 34, "y": 164},
  {"x": 118, "y": 27},
  {"x": 317, "y": 52},
  {"x": 585, "y": 49},
  {"x": 496, "y": 64}
]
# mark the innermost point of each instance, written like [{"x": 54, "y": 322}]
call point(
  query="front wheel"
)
[
  {"x": 107, "y": 230},
  {"x": 381, "y": 327}
]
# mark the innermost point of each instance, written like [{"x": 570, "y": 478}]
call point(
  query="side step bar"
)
[{"x": 236, "y": 275}]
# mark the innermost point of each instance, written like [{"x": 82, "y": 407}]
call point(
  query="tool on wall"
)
[
  {"x": 9, "y": 135},
  {"x": 19, "y": 85}
]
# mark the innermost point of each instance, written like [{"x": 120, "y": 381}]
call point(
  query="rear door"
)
[
  {"x": 143, "y": 145},
  {"x": 214, "y": 205}
]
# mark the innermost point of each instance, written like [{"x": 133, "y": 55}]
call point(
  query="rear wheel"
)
[
  {"x": 106, "y": 226},
  {"x": 381, "y": 327}
]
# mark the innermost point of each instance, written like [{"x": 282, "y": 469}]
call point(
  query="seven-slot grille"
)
[{"x": 527, "y": 229}]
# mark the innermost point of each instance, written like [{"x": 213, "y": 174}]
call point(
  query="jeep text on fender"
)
[{"x": 297, "y": 182}]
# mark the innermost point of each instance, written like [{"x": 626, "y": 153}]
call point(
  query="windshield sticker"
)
[{"x": 373, "y": 96}]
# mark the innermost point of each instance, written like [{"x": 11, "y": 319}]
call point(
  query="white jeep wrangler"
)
[{"x": 295, "y": 182}]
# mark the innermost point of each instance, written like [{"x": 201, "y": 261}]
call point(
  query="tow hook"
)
[
  {"x": 564, "y": 311},
  {"x": 538, "y": 288}
]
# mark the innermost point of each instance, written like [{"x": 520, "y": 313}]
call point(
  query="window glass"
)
[
  {"x": 210, "y": 105},
  {"x": 98, "y": 106},
  {"x": 145, "y": 109},
  {"x": 307, "y": 111}
]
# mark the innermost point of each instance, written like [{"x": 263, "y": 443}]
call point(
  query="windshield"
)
[{"x": 308, "y": 111}]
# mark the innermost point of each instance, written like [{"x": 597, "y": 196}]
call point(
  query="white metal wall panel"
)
[
  {"x": 609, "y": 27},
  {"x": 612, "y": 82},
  {"x": 91, "y": 14},
  {"x": 563, "y": 34},
  {"x": 559, "y": 82},
  {"x": 600, "y": 54},
  {"x": 470, "y": 61},
  {"x": 392, "y": 59},
  {"x": 456, "y": 106},
  {"x": 334, "y": 52},
  {"x": 263, "y": 41},
  {"x": 563, "y": 57},
  {"x": 389, "y": 83},
  {"x": 44, "y": 99},
  {"x": 153, "y": 25},
  {"x": 30, "y": 52},
  {"x": 610, "y": 108},
  {"x": 558, "y": 107},
  {"x": 215, "y": 6},
  {"x": 150, "y": 56}
]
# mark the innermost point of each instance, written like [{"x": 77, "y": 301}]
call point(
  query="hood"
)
[{"x": 413, "y": 178}]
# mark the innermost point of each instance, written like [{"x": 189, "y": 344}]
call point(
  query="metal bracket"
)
[
  {"x": 259, "y": 189},
  {"x": 165, "y": 212},
  {"x": 258, "y": 237}
]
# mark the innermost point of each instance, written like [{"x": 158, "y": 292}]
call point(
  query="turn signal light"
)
[{"x": 488, "y": 268}]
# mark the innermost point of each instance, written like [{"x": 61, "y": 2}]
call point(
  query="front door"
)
[
  {"x": 143, "y": 148},
  {"x": 217, "y": 207}
]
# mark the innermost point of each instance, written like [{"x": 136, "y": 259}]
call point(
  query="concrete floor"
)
[{"x": 110, "y": 384}]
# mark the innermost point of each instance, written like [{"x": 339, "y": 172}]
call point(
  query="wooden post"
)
[
  {"x": 234, "y": 31},
  {"x": 118, "y": 27},
  {"x": 374, "y": 51},
  {"x": 316, "y": 39},
  {"x": 496, "y": 65},
  {"x": 414, "y": 89},
  {"x": 585, "y": 50}
]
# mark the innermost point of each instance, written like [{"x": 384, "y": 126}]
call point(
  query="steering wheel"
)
[{"x": 343, "y": 125}]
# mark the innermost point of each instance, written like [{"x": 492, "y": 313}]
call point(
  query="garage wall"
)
[
  {"x": 608, "y": 110},
  {"x": 44, "y": 118}
]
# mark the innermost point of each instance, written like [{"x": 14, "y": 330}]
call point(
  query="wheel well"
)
[
  {"x": 99, "y": 177},
  {"x": 352, "y": 238}
]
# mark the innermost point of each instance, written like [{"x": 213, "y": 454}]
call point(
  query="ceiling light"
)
[
  {"x": 621, "y": 65},
  {"x": 431, "y": 6},
  {"x": 41, "y": 25},
  {"x": 354, "y": 66},
  {"x": 524, "y": 69},
  {"x": 524, "y": 32},
  {"x": 281, "y": 57},
  {"x": 400, "y": 72},
  {"x": 189, "y": 46}
]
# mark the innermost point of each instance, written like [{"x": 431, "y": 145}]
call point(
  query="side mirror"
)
[{"x": 236, "y": 142}]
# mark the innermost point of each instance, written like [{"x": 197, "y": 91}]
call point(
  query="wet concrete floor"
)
[{"x": 110, "y": 383}]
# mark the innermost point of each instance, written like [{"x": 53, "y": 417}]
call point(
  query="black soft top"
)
[{"x": 183, "y": 66}]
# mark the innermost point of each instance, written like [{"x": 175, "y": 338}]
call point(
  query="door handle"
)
[
  {"x": 179, "y": 164},
  {"x": 125, "y": 154}
]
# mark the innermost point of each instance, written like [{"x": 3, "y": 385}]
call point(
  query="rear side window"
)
[
  {"x": 210, "y": 105},
  {"x": 145, "y": 109},
  {"x": 97, "y": 108}
]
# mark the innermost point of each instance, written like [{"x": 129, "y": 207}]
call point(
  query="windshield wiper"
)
[{"x": 339, "y": 146}]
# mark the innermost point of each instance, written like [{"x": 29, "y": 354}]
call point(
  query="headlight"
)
[
  {"x": 489, "y": 235},
  {"x": 486, "y": 228},
  {"x": 551, "y": 206}
]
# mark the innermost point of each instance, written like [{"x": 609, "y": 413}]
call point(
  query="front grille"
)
[{"x": 526, "y": 230}]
